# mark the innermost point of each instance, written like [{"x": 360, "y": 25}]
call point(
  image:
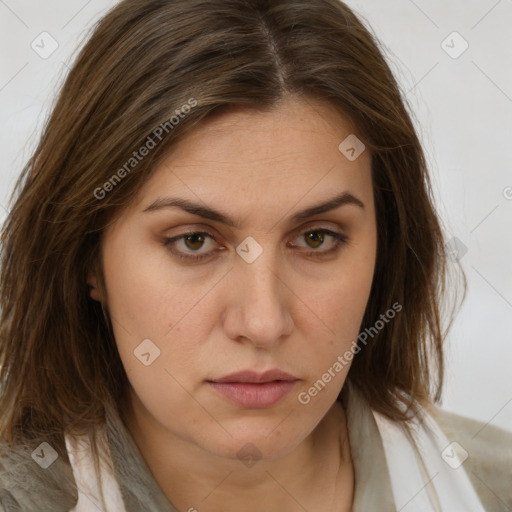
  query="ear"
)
[{"x": 93, "y": 287}]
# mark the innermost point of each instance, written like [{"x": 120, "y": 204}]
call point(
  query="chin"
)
[{"x": 251, "y": 444}]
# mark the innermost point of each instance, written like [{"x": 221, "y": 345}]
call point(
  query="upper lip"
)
[{"x": 255, "y": 377}]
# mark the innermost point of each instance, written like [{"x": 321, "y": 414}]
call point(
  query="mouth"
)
[{"x": 253, "y": 390}]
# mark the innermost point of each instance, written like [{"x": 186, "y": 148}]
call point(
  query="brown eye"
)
[
  {"x": 187, "y": 247},
  {"x": 318, "y": 238},
  {"x": 315, "y": 238},
  {"x": 194, "y": 241},
  {"x": 184, "y": 246}
]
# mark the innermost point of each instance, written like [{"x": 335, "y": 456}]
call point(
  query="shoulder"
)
[
  {"x": 487, "y": 450},
  {"x": 28, "y": 485}
]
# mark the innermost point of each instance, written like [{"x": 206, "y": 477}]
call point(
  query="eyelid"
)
[
  {"x": 168, "y": 241},
  {"x": 340, "y": 240}
]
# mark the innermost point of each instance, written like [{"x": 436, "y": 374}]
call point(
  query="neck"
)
[{"x": 313, "y": 475}]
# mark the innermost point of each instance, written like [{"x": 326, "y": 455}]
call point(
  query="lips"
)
[
  {"x": 257, "y": 378},
  {"x": 254, "y": 390}
]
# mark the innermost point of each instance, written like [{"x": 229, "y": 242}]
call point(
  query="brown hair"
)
[{"x": 60, "y": 368}]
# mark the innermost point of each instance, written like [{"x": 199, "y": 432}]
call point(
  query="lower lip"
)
[{"x": 252, "y": 395}]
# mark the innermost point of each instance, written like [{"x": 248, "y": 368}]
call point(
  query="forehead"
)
[{"x": 280, "y": 155}]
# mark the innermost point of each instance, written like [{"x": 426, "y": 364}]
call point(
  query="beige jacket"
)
[{"x": 24, "y": 486}]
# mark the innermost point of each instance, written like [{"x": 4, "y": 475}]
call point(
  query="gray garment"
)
[{"x": 25, "y": 487}]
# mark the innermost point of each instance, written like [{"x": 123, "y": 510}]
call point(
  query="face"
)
[{"x": 244, "y": 276}]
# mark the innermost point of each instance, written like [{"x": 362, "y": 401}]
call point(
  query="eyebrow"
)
[{"x": 345, "y": 198}]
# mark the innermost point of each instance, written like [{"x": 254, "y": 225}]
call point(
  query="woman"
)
[{"x": 222, "y": 279}]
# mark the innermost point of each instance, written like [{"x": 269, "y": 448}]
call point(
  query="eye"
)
[
  {"x": 193, "y": 242},
  {"x": 316, "y": 238}
]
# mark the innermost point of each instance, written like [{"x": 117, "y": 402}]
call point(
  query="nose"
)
[{"x": 259, "y": 306}]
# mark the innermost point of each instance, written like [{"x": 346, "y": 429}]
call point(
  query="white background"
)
[{"x": 464, "y": 113}]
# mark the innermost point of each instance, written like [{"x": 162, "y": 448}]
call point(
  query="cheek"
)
[
  {"x": 162, "y": 371},
  {"x": 147, "y": 297},
  {"x": 332, "y": 326},
  {"x": 339, "y": 302},
  {"x": 327, "y": 355},
  {"x": 156, "y": 315},
  {"x": 153, "y": 324}
]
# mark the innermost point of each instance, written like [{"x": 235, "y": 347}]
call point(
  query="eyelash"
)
[{"x": 339, "y": 238}]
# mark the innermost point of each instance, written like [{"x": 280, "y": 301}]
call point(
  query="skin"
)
[{"x": 286, "y": 310}]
